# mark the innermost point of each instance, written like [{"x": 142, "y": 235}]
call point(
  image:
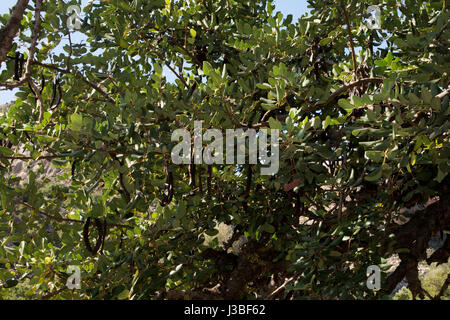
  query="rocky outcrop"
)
[{"x": 22, "y": 169}]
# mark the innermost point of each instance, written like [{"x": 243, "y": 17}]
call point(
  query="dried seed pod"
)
[
  {"x": 168, "y": 189},
  {"x": 101, "y": 228}
]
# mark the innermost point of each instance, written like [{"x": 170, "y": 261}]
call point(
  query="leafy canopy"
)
[{"x": 364, "y": 134}]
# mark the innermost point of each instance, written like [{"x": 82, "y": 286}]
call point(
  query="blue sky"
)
[{"x": 294, "y": 7}]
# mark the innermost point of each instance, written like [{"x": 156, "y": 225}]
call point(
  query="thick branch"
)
[
  {"x": 8, "y": 33},
  {"x": 351, "y": 85},
  {"x": 415, "y": 235},
  {"x": 31, "y": 50}
]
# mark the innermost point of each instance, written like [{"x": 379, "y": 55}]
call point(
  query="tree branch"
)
[
  {"x": 31, "y": 50},
  {"x": 281, "y": 288},
  {"x": 24, "y": 158},
  {"x": 415, "y": 235},
  {"x": 40, "y": 102},
  {"x": 349, "y": 86},
  {"x": 443, "y": 288},
  {"x": 54, "y": 293},
  {"x": 8, "y": 33},
  {"x": 67, "y": 220},
  {"x": 444, "y": 93},
  {"x": 49, "y": 216},
  {"x": 349, "y": 30}
]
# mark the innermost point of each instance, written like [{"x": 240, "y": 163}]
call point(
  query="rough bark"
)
[
  {"x": 414, "y": 236},
  {"x": 8, "y": 33}
]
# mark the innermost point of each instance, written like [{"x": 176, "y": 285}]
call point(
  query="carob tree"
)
[{"x": 364, "y": 119}]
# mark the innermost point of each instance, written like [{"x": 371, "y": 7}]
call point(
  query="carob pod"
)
[
  {"x": 101, "y": 228},
  {"x": 168, "y": 189}
]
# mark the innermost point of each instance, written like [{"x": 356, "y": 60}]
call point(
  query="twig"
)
[
  {"x": 66, "y": 71},
  {"x": 348, "y": 87},
  {"x": 444, "y": 93},
  {"x": 97, "y": 88},
  {"x": 54, "y": 293},
  {"x": 49, "y": 156},
  {"x": 40, "y": 102},
  {"x": 281, "y": 288},
  {"x": 443, "y": 289},
  {"x": 349, "y": 30},
  {"x": 49, "y": 216},
  {"x": 334, "y": 95},
  {"x": 438, "y": 35},
  {"x": 49, "y": 66},
  {"x": 265, "y": 115},
  {"x": 177, "y": 74},
  {"x": 70, "y": 52},
  {"x": 61, "y": 219}
]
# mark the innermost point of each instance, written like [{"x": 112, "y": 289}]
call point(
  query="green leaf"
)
[
  {"x": 441, "y": 175},
  {"x": 436, "y": 104},
  {"x": 371, "y": 115},
  {"x": 325, "y": 41},
  {"x": 76, "y": 122},
  {"x": 275, "y": 124},
  {"x": 212, "y": 232},
  {"x": 124, "y": 294},
  {"x": 317, "y": 123},
  {"x": 158, "y": 68},
  {"x": 268, "y": 228},
  {"x": 268, "y": 107},
  {"x": 326, "y": 122},
  {"x": 375, "y": 175},
  {"x": 264, "y": 86},
  {"x": 335, "y": 254},
  {"x": 358, "y": 102},
  {"x": 403, "y": 100},
  {"x": 375, "y": 156},
  {"x": 6, "y": 151},
  {"x": 346, "y": 105},
  {"x": 413, "y": 98},
  {"x": 207, "y": 68},
  {"x": 426, "y": 96},
  {"x": 209, "y": 71}
]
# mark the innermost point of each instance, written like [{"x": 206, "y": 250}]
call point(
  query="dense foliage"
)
[{"x": 364, "y": 119}]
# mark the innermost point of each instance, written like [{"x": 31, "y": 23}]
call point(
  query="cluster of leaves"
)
[{"x": 364, "y": 133}]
